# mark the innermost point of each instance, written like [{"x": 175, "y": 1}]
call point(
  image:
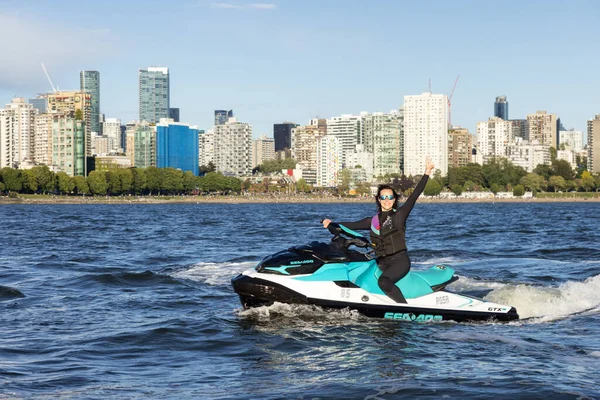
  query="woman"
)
[{"x": 387, "y": 234}]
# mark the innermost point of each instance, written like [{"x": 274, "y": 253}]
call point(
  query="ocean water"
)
[{"x": 135, "y": 302}]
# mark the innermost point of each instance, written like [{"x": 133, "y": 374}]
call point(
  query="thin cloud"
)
[
  {"x": 227, "y": 6},
  {"x": 263, "y": 6}
]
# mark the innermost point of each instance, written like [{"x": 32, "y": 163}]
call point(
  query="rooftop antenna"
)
[{"x": 49, "y": 80}]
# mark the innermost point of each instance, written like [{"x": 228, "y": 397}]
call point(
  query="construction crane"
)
[
  {"x": 49, "y": 80},
  {"x": 450, "y": 103}
]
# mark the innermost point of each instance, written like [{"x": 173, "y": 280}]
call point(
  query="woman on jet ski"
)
[{"x": 387, "y": 234}]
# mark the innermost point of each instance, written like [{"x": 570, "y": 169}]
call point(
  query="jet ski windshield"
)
[{"x": 354, "y": 238}]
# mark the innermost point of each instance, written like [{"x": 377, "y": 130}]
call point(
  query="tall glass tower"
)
[
  {"x": 154, "y": 94},
  {"x": 222, "y": 116},
  {"x": 89, "y": 82},
  {"x": 501, "y": 108}
]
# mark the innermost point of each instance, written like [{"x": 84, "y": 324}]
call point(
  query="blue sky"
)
[{"x": 293, "y": 60}]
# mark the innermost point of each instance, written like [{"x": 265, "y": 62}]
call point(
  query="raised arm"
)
[{"x": 412, "y": 199}]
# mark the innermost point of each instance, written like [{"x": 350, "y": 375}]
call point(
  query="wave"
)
[
  {"x": 298, "y": 312},
  {"x": 8, "y": 293},
  {"x": 544, "y": 304},
  {"x": 214, "y": 273},
  {"x": 138, "y": 279}
]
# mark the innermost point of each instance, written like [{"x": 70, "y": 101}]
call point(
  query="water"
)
[{"x": 134, "y": 301}]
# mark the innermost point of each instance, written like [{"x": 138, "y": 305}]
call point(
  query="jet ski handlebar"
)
[{"x": 351, "y": 237}]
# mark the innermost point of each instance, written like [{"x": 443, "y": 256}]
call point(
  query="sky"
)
[{"x": 293, "y": 60}]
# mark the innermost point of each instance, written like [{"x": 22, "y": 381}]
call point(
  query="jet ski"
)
[{"x": 343, "y": 274}]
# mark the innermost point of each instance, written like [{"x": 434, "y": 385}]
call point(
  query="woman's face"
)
[{"x": 386, "y": 199}]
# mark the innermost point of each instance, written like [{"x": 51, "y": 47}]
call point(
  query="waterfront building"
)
[
  {"x": 347, "y": 129},
  {"x": 282, "y": 134},
  {"x": 111, "y": 128},
  {"x": 68, "y": 144},
  {"x": 42, "y": 152},
  {"x": 111, "y": 163},
  {"x": 304, "y": 147},
  {"x": 222, "y": 116},
  {"x": 362, "y": 160},
  {"x": 177, "y": 146},
  {"x": 206, "y": 147},
  {"x": 501, "y": 108},
  {"x": 263, "y": 149},
  {"x": 141, "y": 144},
  {"x": 493, "y": 136},
  {"x": 232, "y": 147},
  {"x": 77, "y": 104},
  {"x": 89, "y": 82},
  {"x": 328, "y": 160},
  {"x": 593, "y": 135},
  {"x": 572, "y": 139},
  {"x": 383, "y": 137},
  {"x": 154, "y": 94},
  {"x": 174, "y": 114},
  {"x": 425, "y": 132},
  {"x": 40, "y": 103},
  {"x": 528, "y": 154},
  {"x": 543, "y": 128},
  {"x": 460, "y": 147},
  {"x": 102, "y": 145},
  {"x": 17, "y": 124}
]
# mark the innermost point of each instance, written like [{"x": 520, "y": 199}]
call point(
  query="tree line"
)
[{"x": 136, "y": 181}]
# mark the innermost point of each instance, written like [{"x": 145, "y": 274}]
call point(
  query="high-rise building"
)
[
  {"x": 593, "y": 135},
  {"x": 112, "y": 129},
  {"x": 42, "y": 153},
  {"x": 232, "y": 147},
  {"x": 493, "y": 136},
  {"x": 263, "y": 149},
  {"x": 528, "y": 155},
  {"x": 328, "y": 161},
  {"x": 74, "y": 104},
  {"x": 174, "y": 114},
  {"x": 543, "y": 128},
  {"x": 89, "y": 82},
  {"x": 206, "y": 145},
  {"x": 425, "y": 132},
  {"x": 40, "y": 103},
  {"x": 143, "y": 145},
  {"x": 304, "y": 147},
  {"x": 17, "y": 127},
  {"x": 572, "y": 139},
  {"x": 177, "y": 146},
  {"x": 68, "y": 144},
  {"x": 383, "y": 137},
  {"x": 460, "y": 147},
  {"x": 347, "y": 129},
  {"x": 501, "y": 108},
  {"x": 282, "y": 134},
  {"x": 222, "y": 116},
  {"x": 361, "y": 159},
  {"x": 154, "y": 94},
  {"x": 518, "y": 128}
]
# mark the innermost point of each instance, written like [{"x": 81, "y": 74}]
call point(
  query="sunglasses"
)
[{"x": 387, "y": 197}]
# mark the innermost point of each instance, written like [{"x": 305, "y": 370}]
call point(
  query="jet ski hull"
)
[{"x": 255, "y": 290}]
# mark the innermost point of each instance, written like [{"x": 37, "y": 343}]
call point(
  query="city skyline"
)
[{"x": 288, "y": 61}]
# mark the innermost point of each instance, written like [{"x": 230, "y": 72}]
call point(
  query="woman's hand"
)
[
  {"x": 326, "y": 222},
  {"x": 428, "y": 166}
]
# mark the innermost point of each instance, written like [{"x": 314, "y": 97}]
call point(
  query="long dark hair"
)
[{"x": 384, "y": 187}]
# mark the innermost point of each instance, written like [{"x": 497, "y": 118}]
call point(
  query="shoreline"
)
[{"x": 268, "y": 200}]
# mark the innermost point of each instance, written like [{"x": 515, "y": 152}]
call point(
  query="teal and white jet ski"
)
[{"x": 335, "y": 276}]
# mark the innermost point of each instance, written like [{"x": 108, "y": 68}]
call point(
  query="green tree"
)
[
  {"x": 126, "y": 178},
  {"x": 552, "y": 154},
  {"x": 302, "y": 186},
  {"x": 246, "y": 184},
  {"x": 204, "y": 169},
  {"x": 213, "y": 182},
  {"x": 12, "y": 179},
  {"x": 233, "y": 184},
  {"x": 557, "y": 183},
  {"x": 113, "y": 181},
  {"x": 28, "y": 180},
  {"x": 138, "y": 183},
  {"x": 80, "y": 185},
  {"x": 46, "y": 179},
  {"x": 533, "y": 182},
  {"x": 172, "y": 181},
  {"x": 562, "y": 168},
  {"x": 189, "y": 182},
  {"x": 153, "y": 179},
  {"x": 545, "y": 171},
  {"x": 518, "y": 190},
  {"x": 97, "y": 183},
  {"x": 344, "y": 181},
  {"x": 64, "y": 183},
  {"x": 363, "y": 188},
  {"x": 495, "y": 188},
  {"x": 2, "y": 187},
  {"x": 587, "y": 181},
  {"x": 432, "y": 188},
  {"x": 457, "y": 189}
]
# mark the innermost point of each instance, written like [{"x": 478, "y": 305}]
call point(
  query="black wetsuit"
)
[{"x": 392, "y": 256}]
